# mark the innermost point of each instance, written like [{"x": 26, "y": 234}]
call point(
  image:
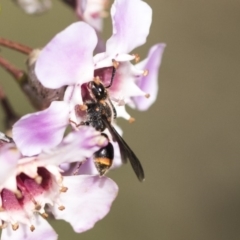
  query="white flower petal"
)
[
  {"x": 43, "y": 230},
  {"x": 87, "y": 200}
]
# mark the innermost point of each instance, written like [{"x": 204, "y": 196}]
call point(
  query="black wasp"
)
[{"x": 100, "y": 114}]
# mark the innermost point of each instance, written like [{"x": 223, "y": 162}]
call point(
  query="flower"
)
[
  {"x": 148, "y": 83},
  {"x": 92, "y": 12},
  {"x": 67, "y": 60},
  {"x": 34, "y": 6},
  {"x": 131, "y": 24},
  {"x": 31, "y": 187},
  {"x": 49, "y": 125}
]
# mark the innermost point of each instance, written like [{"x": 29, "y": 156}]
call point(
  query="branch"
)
[
  {"x": 14, "y": 71},
  {"x": 10, "y": 116},
  {"x": 15, "y": 46}
]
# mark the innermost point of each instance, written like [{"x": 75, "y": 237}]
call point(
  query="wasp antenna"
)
[
  {"x": 112, "y": 77},
  {"x": 115, "y": 63}
]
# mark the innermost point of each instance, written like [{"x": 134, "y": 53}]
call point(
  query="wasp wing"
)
[
  {"x": 125, "y": 150},
  {"x": 5, "y": 138}
]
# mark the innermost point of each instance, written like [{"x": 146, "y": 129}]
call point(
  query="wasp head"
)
[{"x": 97, "y": 90}]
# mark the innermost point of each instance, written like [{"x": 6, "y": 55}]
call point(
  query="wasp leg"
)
[
  {"x": 77, "y": 168},
  {"x": 115, "y": 65},
  {"x": 77, "y": 124}
]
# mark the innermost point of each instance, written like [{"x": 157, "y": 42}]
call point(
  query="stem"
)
[
  {"x": 71, "y": 3},
  {"x": 10, "y": 116},
  {"x": 14, "y": 71},
  {"x": 15, "y": 46}
]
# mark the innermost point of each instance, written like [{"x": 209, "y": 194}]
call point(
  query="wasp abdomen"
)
[{"x": 103, "y": 158}]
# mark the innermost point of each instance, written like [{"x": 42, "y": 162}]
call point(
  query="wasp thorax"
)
[{"x": 97, "y": 90}]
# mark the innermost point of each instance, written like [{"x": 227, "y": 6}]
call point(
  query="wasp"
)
[{"x": 100, "y": 113}]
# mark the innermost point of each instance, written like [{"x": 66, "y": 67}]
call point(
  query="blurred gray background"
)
[{"x": 188, "y": 142}]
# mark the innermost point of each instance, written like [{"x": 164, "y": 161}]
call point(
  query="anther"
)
[
  {"x": 115, "y": 63},
  {"x": 44, "y": 215},
  {"x": 83, "y": 107},
  {"x": 103, "y": 14},
  {"x": 15, "y": 226},
  {"x": 37, "y": 207},
  {"x": 38, "y": 179},
  {"x": 63, "y": 189},
  {"x": 131, "y": 120},
  {"x": 4, "y": 225},
  {"x": 137, "y": 58},
  {"x": 61, "y": 208},
  {"x": 147, "y": 95},
  {"x": 1, "y": 209},
  {"x": 18, "y": 194},
  {"x": 145, "y": 72},
  {"x": 32, "y": 228}
]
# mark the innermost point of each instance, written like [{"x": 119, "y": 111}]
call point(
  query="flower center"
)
[{"x": 32, "y": 196}]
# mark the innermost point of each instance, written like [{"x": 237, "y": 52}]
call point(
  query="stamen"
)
[
  {"x": 131, "y": 120},
  {"x": 103, "y": 14},
  {"x": 32, "y": 228},
  {"x": 44, "y": 215},
  {"x": 101, "y": 140},
  {"x": 37, "y": 207},
  {"x": 137, "y": 58},
  {"x": 83, "y": 107},
  {"x": 4, "y": 225},
  {"x": 38, "y": 179},
  {"x": 115, "y": 63},
  {"x": 18, "y": 194},
  {"x": 15, "y": 226},
  {"x": 61, "y": 208},
  {"x": 147, "y": 95},
  {"x": 63, "y": 189},
  {"x": 145, "y": 72}
]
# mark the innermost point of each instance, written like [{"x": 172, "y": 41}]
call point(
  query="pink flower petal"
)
[
  {"x": 149, "y": 83},
  {"x": 67, "y": 58},
  {"x": 89, "y": 168},
  {"x": 9, "y": 157},
  {"x": 90, "y": 12},
  {"x": 87, "y": 200},
  {"x": 131, "y": 23},
  {"x": 124, "y": 86},
  {"x": 45, "y": 129},
  {"x": 75, "y": 147},
  {"x": 102, "y": 60},
  {"x": 43, "y": 230}
]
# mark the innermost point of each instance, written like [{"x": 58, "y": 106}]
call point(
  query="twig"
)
[
  {"x": 14, "y": 71},
  {"x": 15, "y": 46},
  {"x": 10, "y": 116}
]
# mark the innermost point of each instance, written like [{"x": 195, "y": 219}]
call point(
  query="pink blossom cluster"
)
[{"x": 37, "y": 176}]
